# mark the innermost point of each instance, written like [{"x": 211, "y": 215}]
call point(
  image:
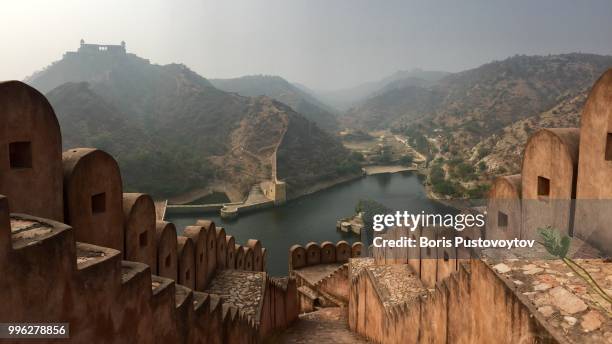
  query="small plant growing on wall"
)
[{"x": 558, "y": 246}]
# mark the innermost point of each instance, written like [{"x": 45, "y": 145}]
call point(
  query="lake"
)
[{"x": 313, "y": 217}]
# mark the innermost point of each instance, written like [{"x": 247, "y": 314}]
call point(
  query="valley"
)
[
  {"x": 176, "y": 135},
  {"x": 460, "y": 130}
]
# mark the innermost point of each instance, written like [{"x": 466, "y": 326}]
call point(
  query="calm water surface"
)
[{"x": 313, "y": 217}]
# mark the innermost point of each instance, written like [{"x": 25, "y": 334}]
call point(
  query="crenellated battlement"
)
[{"x": 112, "y": 270}]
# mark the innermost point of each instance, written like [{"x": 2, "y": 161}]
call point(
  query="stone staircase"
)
[{"x": 326, "y": 325}]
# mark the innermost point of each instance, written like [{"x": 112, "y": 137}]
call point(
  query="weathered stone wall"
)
[
  {"x": 564, "y": 180},
  {"x": 93, "y": 197},
  {"x": 504, "y": 219},
  {"x": 74, "y": 272},
  {"x": 166, "y": 259},
  {"x": 274, "y": 190},
  {"x": 199, "y": 236},
  {"x": 326, "y": 253},
  {"x": 186, "y": 262},
  {"x": 548, "y": 180},
  {"x": 139, "y": 229},
  {"x": 103, "y": 298},
  {"x": 336, "y": 284},
  {"x": 31, "y": 150},
  {"x": 472, "y": 306},
  {"x": 594, "y": 190}
]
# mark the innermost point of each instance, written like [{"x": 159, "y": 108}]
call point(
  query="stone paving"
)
[
  {"x": 564, "y": 299},
  {"x": 358, "y": 264},
  {"x": 397, "y": 284},
  {"x": 325, "y": 326},
  {"x": 27, "y": 231},
  {"x": 242, "y": 289}
]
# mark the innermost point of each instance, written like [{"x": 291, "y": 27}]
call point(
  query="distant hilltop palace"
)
[
  {"x": 102, "y": 48},
  {"x": 101, "y": 51},
  {"x": 75, "y": 248}
]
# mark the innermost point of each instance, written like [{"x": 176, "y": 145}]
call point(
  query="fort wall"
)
[
  {"x": 594, "y": 190},
  {"x": 504, "y": 219},
  {"x": 548, "y": 180},
  {"x": 472, "y": 306},
  {"x": 139, "y": 228},
  {"x": 300, "y": 257},
  {"x": 31, "y": 150},
  {"x": 93, "y": 197},
  {"x": 117, "y": 274}
]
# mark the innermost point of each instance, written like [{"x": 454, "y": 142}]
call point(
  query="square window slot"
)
[
  {"x": 502, "y": 219},
  {"x": 98, "y": 203},
  {"x": 20, "y": 155},
  {"x": 143, "y": 239},
  {"x": 543, "y": 186}
]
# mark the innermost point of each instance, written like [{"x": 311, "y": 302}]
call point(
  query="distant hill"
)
[
  {"x": 481, "y": 101},
  {"x": 283, "y": 91},
  {"x": 172, "y": 131},
  {"x": 502, "y": 151},
  {"x": 478, "y": 119},
  {"x": 348, "y": 98}
]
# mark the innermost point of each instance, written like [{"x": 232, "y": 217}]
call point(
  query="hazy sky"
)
[{"x": 324, "y": 44}]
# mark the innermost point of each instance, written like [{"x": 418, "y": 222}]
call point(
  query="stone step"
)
[{"x": 327, "y": 325}]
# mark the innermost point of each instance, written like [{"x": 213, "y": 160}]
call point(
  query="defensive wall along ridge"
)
[{"x": 75, "y": 248}]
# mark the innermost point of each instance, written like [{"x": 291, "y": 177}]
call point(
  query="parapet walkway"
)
[{"x": 327, "y": 325}]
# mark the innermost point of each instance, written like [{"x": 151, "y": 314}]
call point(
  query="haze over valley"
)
[{"x": 310, "y": 93}]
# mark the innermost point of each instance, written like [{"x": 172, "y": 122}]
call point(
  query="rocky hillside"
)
[
  {"x": 473, "y": 123},
  {"x": 502, "y": 152},
  {"x": 283, "y": 91},
  {"x": 346, "y": 99},
  {"x": 481, "y": 101},
  {"x": 171, "y": 130}
]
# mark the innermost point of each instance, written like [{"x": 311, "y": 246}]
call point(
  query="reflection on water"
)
[{"x": 313, "y": 218}]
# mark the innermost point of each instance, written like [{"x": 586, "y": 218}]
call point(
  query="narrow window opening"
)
[
  {"x": 168, "y": 261},
  {"x": 543, "y": 186},
  {"x": 609, "y": 147},
  {"x": 201, "y": 257},
  {"x": 98, "y": 203},
  {"x": 446, "y": 257},
  {"x": 187, "y": 275},
  {"x": 20, "y": 155},
  {"x": 143, "y": 239},
  {"x": 502, "y": 219}
]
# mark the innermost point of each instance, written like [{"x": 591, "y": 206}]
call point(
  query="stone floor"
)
[
  {"x": 358, "y": 264},
  {"x": 564, "y": 299},
  {"x": 325, "y": 326},
  {"x": 242, "y": 289},
  {"x": 397, "y": 284}
]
